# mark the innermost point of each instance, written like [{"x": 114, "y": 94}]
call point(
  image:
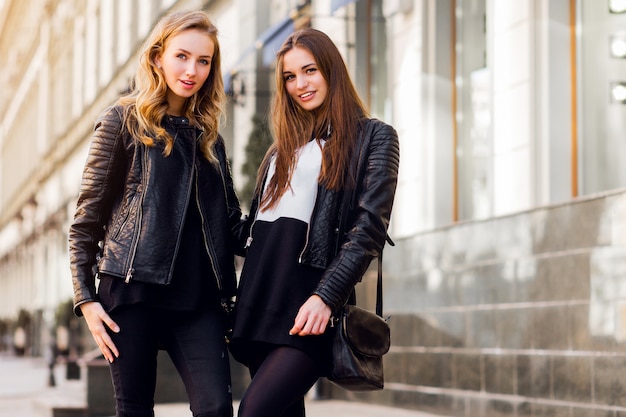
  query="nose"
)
[
  {"x": 191, "y": 68},
  {"x": 301, "y": 82}
]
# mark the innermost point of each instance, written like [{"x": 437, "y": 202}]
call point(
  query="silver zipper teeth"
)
[
  {"x": 130, "y": 207},
  {"x": 131, "y": 270},
  {"x": 249, "y": 239},
  {"x": 306, "y": 241}
]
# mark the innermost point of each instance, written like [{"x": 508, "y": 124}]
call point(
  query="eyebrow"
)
[
  {"x": 303, "y": 67},
  {"x": 189, "y": 53}
]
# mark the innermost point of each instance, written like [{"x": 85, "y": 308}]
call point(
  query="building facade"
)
[{"x": 505, "y": 284}]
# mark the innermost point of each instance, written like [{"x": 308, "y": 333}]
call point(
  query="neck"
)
[{"x": 175, "y": 105}]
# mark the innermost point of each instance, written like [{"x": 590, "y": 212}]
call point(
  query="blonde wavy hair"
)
[{"x": 146, "y": 103}]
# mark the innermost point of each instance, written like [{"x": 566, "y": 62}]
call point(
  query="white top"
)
[{"x": 299, "y": 199}]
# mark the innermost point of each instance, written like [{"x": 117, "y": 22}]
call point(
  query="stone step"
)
[
  {"x": 70, "y": 412},
  {"x": 67, "y": 399}
]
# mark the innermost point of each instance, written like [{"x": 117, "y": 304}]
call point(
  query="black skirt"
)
[{"x": 273, "y": 287}]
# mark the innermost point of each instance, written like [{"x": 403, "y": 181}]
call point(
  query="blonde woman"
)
[{"x": 155, "y": 223}]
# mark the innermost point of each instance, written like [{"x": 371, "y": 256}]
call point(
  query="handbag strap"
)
[
  {"x": 379, "y": 283},
  {"x": 379, "y": 286},
  {"x": 348, "y": 198}
]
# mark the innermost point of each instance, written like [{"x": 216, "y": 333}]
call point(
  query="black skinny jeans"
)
[{"x": 195, "y": 342}]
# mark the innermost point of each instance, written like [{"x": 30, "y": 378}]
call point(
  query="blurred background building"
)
[{"x": 506, "y": 286}]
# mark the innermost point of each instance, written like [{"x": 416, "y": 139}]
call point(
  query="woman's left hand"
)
[{"x": 312, "y": 318}]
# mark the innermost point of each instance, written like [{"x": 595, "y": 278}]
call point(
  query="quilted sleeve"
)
[
  {"x": 102, "y": 177},
  {"x": 368, "y": 219}
]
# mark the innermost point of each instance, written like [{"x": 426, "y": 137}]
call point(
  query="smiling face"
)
[
  {"x": 185, "y": 64},
  {"x": 304, "y": 81}
]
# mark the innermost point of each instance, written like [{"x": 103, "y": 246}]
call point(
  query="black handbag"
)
[{"x": 360, "y": 341}]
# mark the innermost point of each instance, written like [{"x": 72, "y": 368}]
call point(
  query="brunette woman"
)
[{"x": 320, "y": 215}]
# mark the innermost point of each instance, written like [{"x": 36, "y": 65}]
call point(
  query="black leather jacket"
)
[
  {"x": 132, "y": 205},
  {"x": 348, "y": 229}
]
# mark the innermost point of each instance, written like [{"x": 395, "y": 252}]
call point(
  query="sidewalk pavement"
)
[
  {"x": 25, "y": 392},
  {"x": 314, "y": 408}
]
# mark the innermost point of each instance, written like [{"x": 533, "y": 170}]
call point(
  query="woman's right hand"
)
[{"x": 97, "y": 319}]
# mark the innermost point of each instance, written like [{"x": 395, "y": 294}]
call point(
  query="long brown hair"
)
[
  {"x": 340, "y": 114},
  {"x": 146, "y": 104}
]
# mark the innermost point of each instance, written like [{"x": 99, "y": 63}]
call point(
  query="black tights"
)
[{"x": 280, "y": 380}]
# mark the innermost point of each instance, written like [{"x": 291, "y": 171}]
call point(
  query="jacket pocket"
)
[{"x": 124, "y": 219}]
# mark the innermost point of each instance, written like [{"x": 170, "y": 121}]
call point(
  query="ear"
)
[{"x": 157, "y": 62}]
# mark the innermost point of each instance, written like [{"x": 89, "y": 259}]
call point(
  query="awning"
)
[
  {"x": 269, "y": 42},
  {"x": 272, "y": 39},
  {"x": 336, "y": 4}
]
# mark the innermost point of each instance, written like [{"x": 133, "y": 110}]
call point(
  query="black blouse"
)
[{"x": 193, "y": 281}]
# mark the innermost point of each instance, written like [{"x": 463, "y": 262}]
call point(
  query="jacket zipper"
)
[
  {"x": 127, "y": 217},
  {"x": 188, "y": 200},
  {"x": 306, "y": 241},
  {"x": 258, "y": 207},
  {"x": 256, "y": 215},
  {"x": 226, "y": 197},
  {"x": 249, "y": 239},
  {"x": 218, "y": 279},
  {"x": 204, "y": 237},
  {"x": 131, "y": 270}
]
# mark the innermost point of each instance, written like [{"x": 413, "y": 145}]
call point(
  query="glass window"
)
[
  {"x": 602, "y": 96},
  {"x": 436, "y": 131},
  {"x": 371, "y": 49},
  {"x": 372, "y": 54},
  {"x": 473, "y": 112}
]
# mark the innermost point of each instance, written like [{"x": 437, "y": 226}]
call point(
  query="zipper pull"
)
[
  {"x": 129, "y": 275},
  {"x": 248, "y": 242}
]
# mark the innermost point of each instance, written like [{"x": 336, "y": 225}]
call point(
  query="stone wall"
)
[{"x": 522, "y": 315}]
